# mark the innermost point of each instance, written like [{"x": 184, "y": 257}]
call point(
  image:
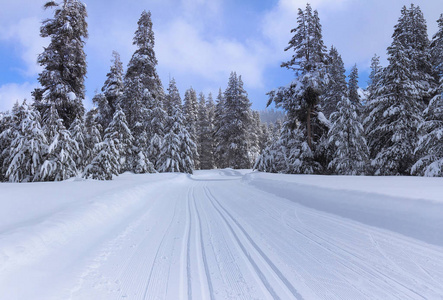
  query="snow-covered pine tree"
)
[
  {"x": 155, "y": 124},
  {"x": 205, "y": 145},
  {"x": 300, "y": 99},
  {"x": 411, "y": 33},
  {"x": 119, "y": 131},
  {"x": 354, "y": 97},
  {"x": 394, "y": 116},
  {"x": 172, "y": 99},
  {"x": 106, "y": 101},
  {"x": 143, "y": 95},
  {"x": 346, "y": 136},
  {"x": 6, "y": 136},
  {"x": 255, "y": 135},
  {"x": 64, "y": 61},
  {"x": 78, "y": 134},
  {"x": 105, "y": 163},
  {"x": 60, "y": 158},
  {"x": 436, "y": 50},
  {"x": 218, "y": 115},
  {"x": 178, "y": 149},
  {"x": 235, "y": 125},
  {"x": 141, "y": 81},
  {"x": 336, "y": 87},
  {"x": 430, "y": 145},
  {"x": 28, "y": 146},
  {"x": 111, "y": 157},
  {"x": 375, "y": 78},
  {"x": 190, "y": 109},
  {"x": 93, "y": 135}
]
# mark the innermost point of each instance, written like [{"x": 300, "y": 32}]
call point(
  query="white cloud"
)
[
  {"x": 25, "y": 34},
  {"x": 13, "y": 92},
  {"x": 182, "y": 48}
]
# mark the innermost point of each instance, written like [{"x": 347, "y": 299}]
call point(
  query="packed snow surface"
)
[{"x": 223, "y": 234}]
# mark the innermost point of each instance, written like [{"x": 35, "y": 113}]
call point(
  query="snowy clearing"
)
[{"x": 223, "y": 234}]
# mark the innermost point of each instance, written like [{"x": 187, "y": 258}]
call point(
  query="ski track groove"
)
[
  {"x": 359, "y": 262},
  {"x": 158, "y": 276},
  {"x": 214, "y": 239},
  {"x": 265, "y": 258}
]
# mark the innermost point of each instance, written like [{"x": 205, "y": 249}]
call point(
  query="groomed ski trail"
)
[{"x": 214, "y": 236}]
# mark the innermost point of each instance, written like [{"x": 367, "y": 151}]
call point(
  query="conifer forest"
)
[{"x": 139, "y": 125}]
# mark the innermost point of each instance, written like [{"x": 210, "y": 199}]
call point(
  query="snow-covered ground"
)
[{"x": 223, "y": 234}]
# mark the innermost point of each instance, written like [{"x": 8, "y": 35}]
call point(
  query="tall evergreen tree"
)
[
  {"x": 112, "y": 90},
  {"x": 235, "y": 125},
  {"x": 347, "y": 137},
  {"x": 218, "y": 115},
  {"x": 394, "y": 116},
  {"x": 119, "y": 131},
  {"x": 173, "y": 98},
  {"x": 336, "y": 87},
  {"x": 141, "y": 82},
  {"x": 436, "y": 50},
  {"x": 178, "y": 149},
  {"x": 60, "y": 159},
  {"x": 64, "y": 61},
  {"x": 354, "y": 97},
  {"x": 205, "y": 145},
  {"x": 28, "y": 146},
  {"x": 190, "y": 108},
  {"x": 78, "y": 134},
  {"x": 430, "y": 145},
  {"x": 301, "y": 97}
]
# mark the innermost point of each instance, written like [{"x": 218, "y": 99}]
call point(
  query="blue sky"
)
[{"x": 199, "y": 42}]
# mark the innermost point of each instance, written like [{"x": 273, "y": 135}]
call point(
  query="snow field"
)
[{"x": 219, "y": 234}]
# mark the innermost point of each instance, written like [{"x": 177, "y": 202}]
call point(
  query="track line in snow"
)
[
  {"x": 206, "y": 288},
  {"x": 253, "y": 246}
]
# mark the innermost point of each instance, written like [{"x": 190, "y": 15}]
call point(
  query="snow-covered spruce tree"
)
[
  {"x": 347, "y": 138},
  {"x": 60, "y": 158},
  {"x": 28, "y": 146},
  {"x": 336, "y": 87},
  {"x": 218, "y": 114},
  {"x": 205, "y": 145},
  {"x": 105, "y": 163},
  {"x": 236, "y": 120},
  {"x": 110, "y": 157},
  {"x": 143, "y": 92},
  {"x": 78, "y": 134},
  {"x": 300, "y": 99},
  {"x": 190, "y": 109},
  {"x": 411, "y": 32},
  {"x": 255, "y": 135},
  {"x": 155, "y": 124},
  {"x": 119, "y": 131},
  {"x": 354, "y": 97},
  {"x": 394, "y": 116},
  {"x": 106, "y": 101},
  {"x": 93, "y": 135},
  {"x": 430, "y": 145},
  {"x": 172, "y": 99},
  {"x": 178, "y": 149},
  {"x": 141, "y": 76},
  {"x": 6, "y": 136},
  {"x": 64, "y": 61}
]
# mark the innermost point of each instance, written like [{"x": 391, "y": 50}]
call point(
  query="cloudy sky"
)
[{"x": 199, "y": 42}]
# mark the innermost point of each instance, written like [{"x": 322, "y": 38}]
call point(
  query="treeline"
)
[
  {"x": 397, "y": 130},
  {"x": 135, "y": 126}
]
